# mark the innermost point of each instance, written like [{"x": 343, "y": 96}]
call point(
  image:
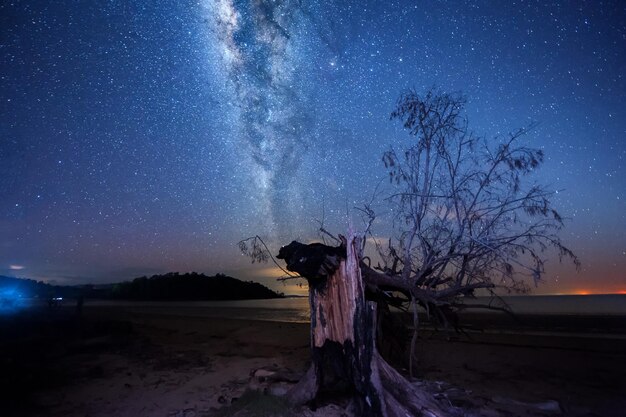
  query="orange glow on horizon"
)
[
  {"x": 596, "y": 292},
  {"x": 604, "y": 291}
]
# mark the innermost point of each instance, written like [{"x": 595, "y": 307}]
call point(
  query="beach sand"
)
[{"x": 119, "y": 362}]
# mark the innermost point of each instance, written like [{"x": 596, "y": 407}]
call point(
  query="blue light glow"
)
[{"x": 11, "y": 300}]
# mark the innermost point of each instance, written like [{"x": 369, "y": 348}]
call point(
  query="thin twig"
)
[
  {"x": 414, "y": 338},
  {"x": 282, "y": 279},
  {"x": 327, "y": 233},
  {"x": 269, "y": 253}
]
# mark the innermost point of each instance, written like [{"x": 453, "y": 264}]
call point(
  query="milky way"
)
[
  {"x": 145, "y": 137},
  {"x": 263, "y": 57}
]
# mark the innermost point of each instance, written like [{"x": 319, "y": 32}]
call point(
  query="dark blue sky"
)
[{"x": 143, "y": 137}]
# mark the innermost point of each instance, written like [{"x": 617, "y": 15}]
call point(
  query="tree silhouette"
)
[{"x": 467, "y": 219}]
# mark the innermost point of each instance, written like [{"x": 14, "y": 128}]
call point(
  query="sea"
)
[{"x": 296, "y": 309}]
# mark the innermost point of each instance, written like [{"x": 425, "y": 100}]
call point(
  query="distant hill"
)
[
  {"x": 190, "y": 286},
  {"x": 28, "y": 288},
  {"x": 168, "y": 287}
]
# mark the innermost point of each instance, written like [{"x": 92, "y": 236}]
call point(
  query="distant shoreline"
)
[{"x": 296, "y": 310}]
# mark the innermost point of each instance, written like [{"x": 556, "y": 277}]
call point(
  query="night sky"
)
[{"x": 141, "y": 137}]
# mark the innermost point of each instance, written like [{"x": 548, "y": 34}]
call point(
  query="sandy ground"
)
[{"x": 112, "y": 362}]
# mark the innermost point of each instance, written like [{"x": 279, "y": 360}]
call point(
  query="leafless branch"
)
[
  {"x": 465, "y": 217},
  {"x": 255, "y": 248}
]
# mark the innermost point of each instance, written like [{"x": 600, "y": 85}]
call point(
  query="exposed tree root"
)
[
  {"x": 400, "y": 397},
  {"x": 305, "y": 390},
  {"x": 405, "y": 399}
]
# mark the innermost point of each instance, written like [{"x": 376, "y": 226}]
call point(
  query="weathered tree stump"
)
[{"x": 343, "y": 333}]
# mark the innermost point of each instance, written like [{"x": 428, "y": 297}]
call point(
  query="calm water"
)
[
  {"x": 297, "y": 309},
  {"x": 294, "y": 310},
  {"x": 607, "y": 304}
]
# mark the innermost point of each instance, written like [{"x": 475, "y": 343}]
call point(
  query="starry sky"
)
[{"x": 142, "y": 137}]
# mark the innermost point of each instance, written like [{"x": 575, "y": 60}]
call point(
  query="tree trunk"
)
[{"x": 343, "y": 333}]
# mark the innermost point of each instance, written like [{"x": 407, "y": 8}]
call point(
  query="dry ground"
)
[{"x": 114, "y": 363}]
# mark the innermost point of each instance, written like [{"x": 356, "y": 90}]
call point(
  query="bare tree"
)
[
  {"x": 465, "y": 217},
  {"x": 465, "y": 220}
]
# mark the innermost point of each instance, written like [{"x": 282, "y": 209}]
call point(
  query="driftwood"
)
[{"x": 343, "y": 334}]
